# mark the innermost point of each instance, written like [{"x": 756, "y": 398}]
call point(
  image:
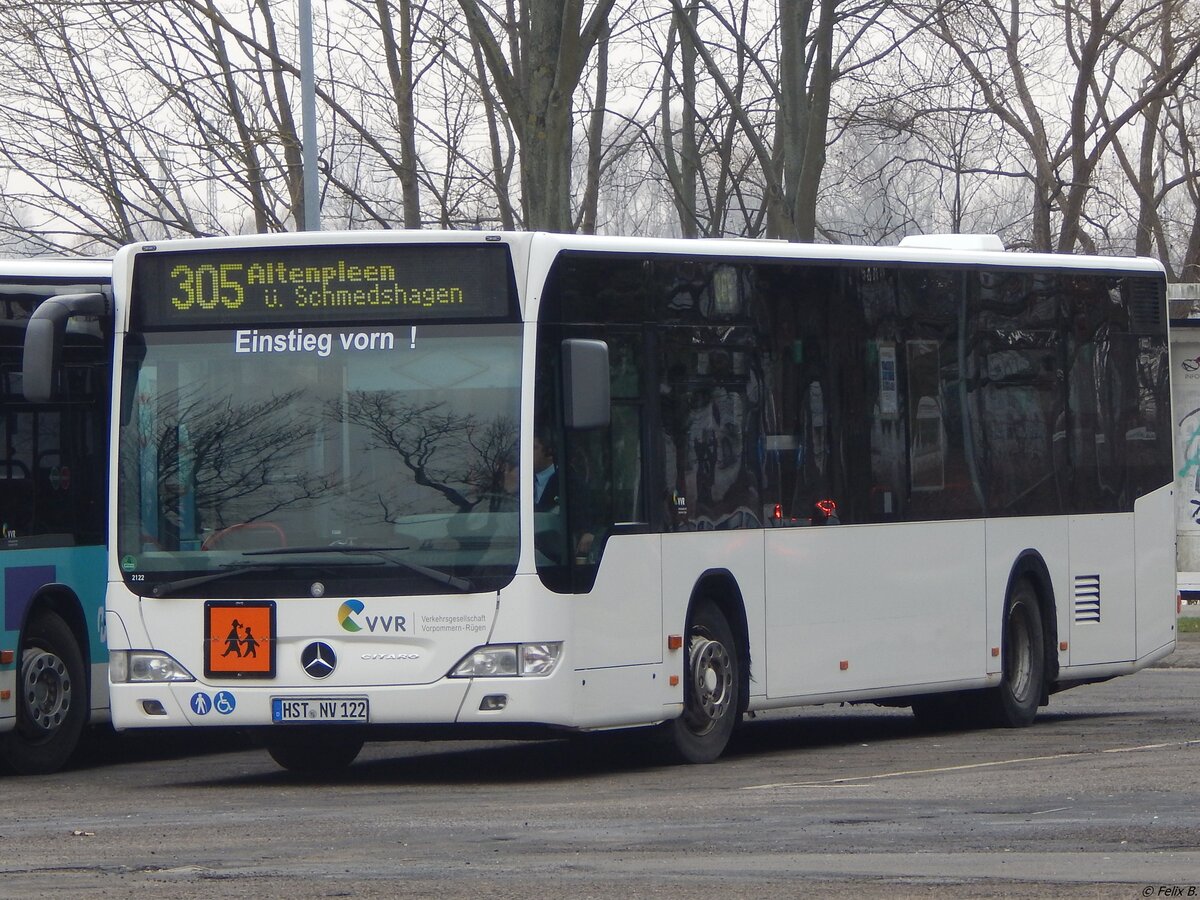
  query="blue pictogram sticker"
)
[
  {"x": 224, "y": 703},
  {"x": 201, "y": 703}
]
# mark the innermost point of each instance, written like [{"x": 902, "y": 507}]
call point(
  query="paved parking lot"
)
[{"x": 1099, "y": 798}]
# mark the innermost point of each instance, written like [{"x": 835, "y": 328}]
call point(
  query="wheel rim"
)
[
  {"x": 1018, "y": 656},
  {"x": 710, "y": 671},
  {"x": 46, "y": 687}
]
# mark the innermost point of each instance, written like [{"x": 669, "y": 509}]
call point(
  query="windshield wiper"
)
[
  {"x": 227, "y": 570},
  {"x": 385, "y": 553},
  {"x": 171, "y": 587}
]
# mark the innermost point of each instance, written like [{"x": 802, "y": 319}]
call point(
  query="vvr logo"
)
[{"x": 348, "y": 614}]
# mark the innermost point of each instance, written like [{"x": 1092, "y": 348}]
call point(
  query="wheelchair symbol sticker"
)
[
  {"x": 224, "y": 703},
  {"x": 201, "y": 703}
]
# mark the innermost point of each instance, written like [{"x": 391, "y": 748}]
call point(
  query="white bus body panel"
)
[
  {"x": 1103, "y": 626},
  {"x": 438, "y": 632},
  {"x": 1154, "y": 528},
  {"x": 620, "y": 621},
  {"x": 881, "y": 599},
  {"x": 617, "y": 647},
  {"x": 404, "y": 676}
]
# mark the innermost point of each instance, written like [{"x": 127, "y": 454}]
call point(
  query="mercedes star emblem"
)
[{"x": 318, "y": 659}]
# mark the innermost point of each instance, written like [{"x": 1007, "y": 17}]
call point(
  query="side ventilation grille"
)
[
  {"x": 1146, "y": 300},
  {"x": 1087, "y": 598}
]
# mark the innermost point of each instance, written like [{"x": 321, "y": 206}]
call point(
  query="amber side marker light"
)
[
  {"x": 6, "y": 657},
  {"x": 674, "y": 641}
]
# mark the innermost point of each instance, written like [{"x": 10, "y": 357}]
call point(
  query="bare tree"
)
[
  {"x": 1013, "y": 54},
  {"x": 812, "y": 44},
  {"x": 843, "y": 120},
  {"x": 397, "y": 33},
  {"x": 86, "y": 170},
  {"x": 1158, "y": 157},
  {"x": 916, "y": 150},
  {"x": 501, "y": 144},
  {"x": 548, "y": 43},
  {"x": 679, "y": 134},
  {"x": 156, "y": 109},
  {"x": 595, "y": 138},
  {"x": 1184, "y": 125}
]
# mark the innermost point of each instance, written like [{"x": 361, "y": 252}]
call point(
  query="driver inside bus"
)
[{"x": 545, "y": 475}]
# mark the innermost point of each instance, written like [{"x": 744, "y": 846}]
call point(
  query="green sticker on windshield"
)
[{"x": 128, "y": 563}]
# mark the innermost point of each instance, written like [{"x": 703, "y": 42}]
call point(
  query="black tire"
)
[
  {"x": 711, "y": 688},
  {"x": 52, "y": 698},
  {"x": 309, "y": 751},
  {"x": 1014, "y": 703}
]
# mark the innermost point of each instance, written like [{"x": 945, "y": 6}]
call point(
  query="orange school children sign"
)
[{"x": 239, "y": 639}]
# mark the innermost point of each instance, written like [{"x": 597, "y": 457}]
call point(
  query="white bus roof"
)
[
  {"x": 56, "y": 267},
  {"x": 974, "y": 250},
  {"x": 978, "y": 250}
]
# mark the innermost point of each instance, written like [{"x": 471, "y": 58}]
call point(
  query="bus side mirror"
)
[
  {"x": 44, "y": 341},
  {"x": 585, "y": 383}
]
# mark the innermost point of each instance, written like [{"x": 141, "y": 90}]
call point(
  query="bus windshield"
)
[{"x": 368, "y": 459}]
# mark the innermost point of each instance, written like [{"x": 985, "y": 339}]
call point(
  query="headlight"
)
[
  {"x": 539, "y": 659},
  {"x": 145, "y": 666},
  {"x": 508, "y": 660}
]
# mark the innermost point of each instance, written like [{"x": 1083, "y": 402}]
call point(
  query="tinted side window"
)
[
  {"x": 1119, "y": 425},
  {"x": 1019, "y": 399},
  {"x": 709, "y": 409},
  {"x": 53, "y": 457},
  {"x": 774, "y": 391}
]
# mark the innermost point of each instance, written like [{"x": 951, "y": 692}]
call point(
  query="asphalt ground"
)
[
  {"x": 1187, "y": 646},
  {"x": 1097, "y": 799}
]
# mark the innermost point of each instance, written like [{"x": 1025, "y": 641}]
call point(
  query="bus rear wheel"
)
[
  {"x": 1014, "y": 702},
  {"x": 710, "y": 691},
  {"x": 52, "y": 705}
]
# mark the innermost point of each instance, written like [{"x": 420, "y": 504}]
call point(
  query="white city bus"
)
[{"x": 372, "y": 484}]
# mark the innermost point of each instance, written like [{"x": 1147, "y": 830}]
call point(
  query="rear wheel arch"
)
[
  {"x": 1031, "y": 566},
  {"x": 720, "y": 588}
]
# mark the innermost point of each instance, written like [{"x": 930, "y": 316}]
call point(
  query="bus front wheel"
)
[
  {"x": 314, "y": 751},
  {"x": 710, "y": 690},
  {"x": 52, "y": 705},
  {"x": 1014, "y": 702}
]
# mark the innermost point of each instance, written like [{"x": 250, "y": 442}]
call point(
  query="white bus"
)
[{"x": 372, "y": 484}]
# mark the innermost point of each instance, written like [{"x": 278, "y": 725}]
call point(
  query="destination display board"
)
[{"x": 322, "y": 283}]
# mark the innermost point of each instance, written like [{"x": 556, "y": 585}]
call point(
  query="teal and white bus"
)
[
  {"x": 390, "y": 483},
  {"x": 53, "y": 516}
]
